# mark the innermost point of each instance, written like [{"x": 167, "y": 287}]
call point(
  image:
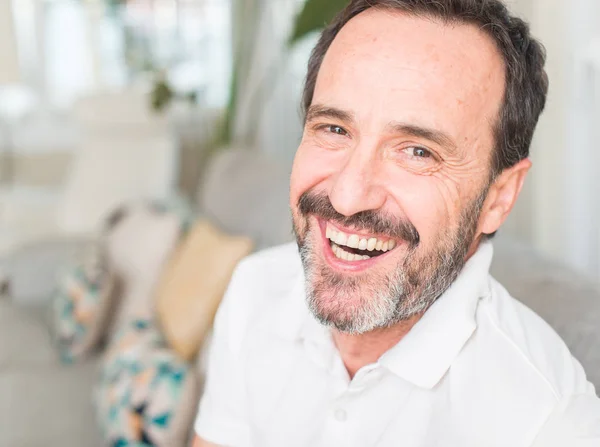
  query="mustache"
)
[{"x": 369, "y": 221}]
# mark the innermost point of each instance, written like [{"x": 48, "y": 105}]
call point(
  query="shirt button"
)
[{"x": 341, "y": 415}]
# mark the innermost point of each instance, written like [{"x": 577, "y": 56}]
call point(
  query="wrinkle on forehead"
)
[{"x": 400, "y": 67}]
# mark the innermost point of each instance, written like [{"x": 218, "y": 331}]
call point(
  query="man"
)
[{"x": 386, "y": 329}]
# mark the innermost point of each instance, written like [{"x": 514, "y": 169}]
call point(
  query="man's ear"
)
[{"x": 502, "y": 197}]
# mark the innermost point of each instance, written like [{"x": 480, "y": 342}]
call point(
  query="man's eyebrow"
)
[
  {"x": 437, "y": 136},
  {"x": 320, "y": 111}
]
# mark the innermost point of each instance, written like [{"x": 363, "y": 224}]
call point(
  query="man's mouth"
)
[{"x": 354, "y": 247}]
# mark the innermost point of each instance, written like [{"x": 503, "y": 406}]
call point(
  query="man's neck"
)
[{"x": 361, "y": 350}]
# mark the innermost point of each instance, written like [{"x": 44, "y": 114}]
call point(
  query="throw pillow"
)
[
  {"x": 193, "y": 283},
  {"x": 82, "y": 304},
  {"x": 146, "y": 396}
]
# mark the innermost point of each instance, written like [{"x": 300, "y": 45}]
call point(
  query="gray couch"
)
[{"x": 44, "y": 403}]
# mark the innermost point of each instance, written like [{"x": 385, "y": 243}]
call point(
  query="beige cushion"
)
[{"x": 193, "y": 284}]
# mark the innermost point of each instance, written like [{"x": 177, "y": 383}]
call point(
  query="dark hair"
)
[{"x": 524, "y": 57}]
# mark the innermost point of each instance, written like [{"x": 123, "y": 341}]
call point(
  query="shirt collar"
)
[
  {"x": 426, "y": 353},
  {"x": 289, "y": 315}
]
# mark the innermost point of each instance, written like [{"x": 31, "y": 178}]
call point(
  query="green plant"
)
[
  {"x": 315, "y": 15},
  {"x": 162, "y": 94}
]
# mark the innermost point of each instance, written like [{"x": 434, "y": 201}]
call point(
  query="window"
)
[{"x": 72, "y": 46}]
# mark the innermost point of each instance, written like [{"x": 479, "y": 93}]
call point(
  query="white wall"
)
[
  {"x": 9, "y": 63},
  {"x": 559, "y": 210}
]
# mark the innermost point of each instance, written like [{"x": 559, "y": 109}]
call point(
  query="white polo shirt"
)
[{"x": 478, "y": 370}]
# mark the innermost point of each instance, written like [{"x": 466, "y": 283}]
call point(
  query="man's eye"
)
[
  {"x": 417, "y": 152},
  {"x": 337, "y": 130}
]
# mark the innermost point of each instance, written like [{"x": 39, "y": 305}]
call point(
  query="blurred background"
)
[
  {"x": 59, "y": 56},
  {"x": 195, "y": 104}
]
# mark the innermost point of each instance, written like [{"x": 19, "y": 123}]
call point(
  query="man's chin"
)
[
  {"x": 349, "y": 321},
  {"x": 349, "y": 299},
  {"x": 351, "y": 304}
]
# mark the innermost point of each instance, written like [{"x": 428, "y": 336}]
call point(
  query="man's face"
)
[{"x": 394, "y": 166}]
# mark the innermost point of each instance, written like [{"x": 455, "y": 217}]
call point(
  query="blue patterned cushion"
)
[
  {"x": 82, "y": 303},
  {"x": 143, "y": 390},
  {"x": 85, "y": 295}
]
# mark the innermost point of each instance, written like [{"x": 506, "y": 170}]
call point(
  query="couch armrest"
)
[{"x": 32, "y": 270}]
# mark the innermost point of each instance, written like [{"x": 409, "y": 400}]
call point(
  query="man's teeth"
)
[
  {"x": 355, "y": 241},
  {"x": 340, "y": 253}
]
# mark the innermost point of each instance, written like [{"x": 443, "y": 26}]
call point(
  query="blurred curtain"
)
[
  {"x": 269, "y": 76},
  {"x": 246, "y": 37}
]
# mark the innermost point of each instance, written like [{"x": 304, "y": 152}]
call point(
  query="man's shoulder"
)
[
  {"x": 528, "y": 344},
  {"x": 261, "y": 283},
  {"x": 265, "y": 276},
  {"x": 276, "y": 264}
]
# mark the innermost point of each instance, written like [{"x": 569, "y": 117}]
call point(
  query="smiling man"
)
[{"x": 382, "y": 326}]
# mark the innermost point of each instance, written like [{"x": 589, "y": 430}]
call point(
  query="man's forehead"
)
[{"x": 397, "y": 60}]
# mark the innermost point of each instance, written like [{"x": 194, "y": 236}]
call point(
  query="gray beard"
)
[{"x": 361, "y": 304}]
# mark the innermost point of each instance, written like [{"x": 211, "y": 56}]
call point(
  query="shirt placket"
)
[{"x": 344, "y": 424}]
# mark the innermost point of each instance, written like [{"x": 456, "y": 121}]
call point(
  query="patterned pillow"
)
[
  {"x": 146, "y": 396},
  {"x": 82, "y": 304},
  {"x": 86, "y": 301}
]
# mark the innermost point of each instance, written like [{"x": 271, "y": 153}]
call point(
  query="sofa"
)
[
  {"x": 63, "y": 190},
  {"x": 46, "y": 403}
]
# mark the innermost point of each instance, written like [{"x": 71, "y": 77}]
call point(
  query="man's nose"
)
[{"x": 357, "y": 186}]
